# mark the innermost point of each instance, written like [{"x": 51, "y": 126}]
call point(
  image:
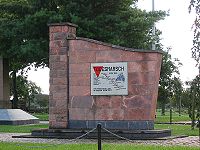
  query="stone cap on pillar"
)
[
  {"x": 63, "y": 28},
  {"x": 63, "y": 24}
]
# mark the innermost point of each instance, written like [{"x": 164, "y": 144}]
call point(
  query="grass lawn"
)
[
  {"x": 175, "y": 117},
  {"x": 176, "y": 129},
  {"x": 179, "y": 129},
  {"x": 21, "y": 128},
  {"x": 159, "y": 118},
  {"x": 41, "y": 116},
  {"x": 23, "y": 146}
]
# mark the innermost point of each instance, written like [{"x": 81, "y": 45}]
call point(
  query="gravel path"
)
[{"x": 186, "y": 141}]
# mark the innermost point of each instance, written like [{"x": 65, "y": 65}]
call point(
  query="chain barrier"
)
[{"x": 118, "y": 136}]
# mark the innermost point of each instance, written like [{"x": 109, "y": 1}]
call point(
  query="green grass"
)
[
  {"x": 159, "y": 118},
  {"x": 21, "y": 128},
  {"x": 175, "y": 117},
  {"x": 179, "y": 129},
  {"x": 41, "y": 116},
  {"x": 25, "y": 146},
  {"x": 176, "y": 129}
]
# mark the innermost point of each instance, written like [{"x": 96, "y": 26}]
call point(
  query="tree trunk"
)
[
  {"x": 163, "y": 108},
  {"x": 15, "y": 95}
]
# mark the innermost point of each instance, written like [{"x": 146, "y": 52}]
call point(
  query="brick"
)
[
  {"x": 54, "y": 29},
  {"x": 59, "y": 95},
  {"x": 59, "y": 81},
  {"x": 59, "y": 36},
  {"x": 54, "y": 58}
]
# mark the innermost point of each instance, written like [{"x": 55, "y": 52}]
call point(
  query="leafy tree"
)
[
  {"x": 24, "y": 31},
  {"x": 194, "y": 100},
  {"x": 168, "y": 86},
  {"x": 26, "y": 91},
  {"x": 195, "y": 4}
]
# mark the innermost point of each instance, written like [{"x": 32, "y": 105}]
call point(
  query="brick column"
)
[
  {"x": 58, "y": 64},
  {"x": 4, "y": 85}
]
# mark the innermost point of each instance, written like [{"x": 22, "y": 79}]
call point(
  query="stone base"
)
[
  {"x": 73, "y": 133},
  {"x": 112, "y": 124},
  {"x": 16, "y": 117}
]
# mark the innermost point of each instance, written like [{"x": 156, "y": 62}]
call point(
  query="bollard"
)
[
  {"x": 199, "y": 128},
  {"x": 99, "y": 136}
]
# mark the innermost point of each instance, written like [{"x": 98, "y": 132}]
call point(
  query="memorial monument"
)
[{"x": 93, "y": 82}]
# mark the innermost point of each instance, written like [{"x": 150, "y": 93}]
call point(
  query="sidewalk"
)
[{"x": 186, "y": 141}]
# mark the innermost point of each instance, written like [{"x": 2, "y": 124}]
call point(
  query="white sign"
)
[{"x": 109, "y": 78}]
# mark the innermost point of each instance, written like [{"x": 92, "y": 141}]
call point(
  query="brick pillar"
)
[
  {"x": 4, "y": 85},
  {"x": 58, "y": 64}
]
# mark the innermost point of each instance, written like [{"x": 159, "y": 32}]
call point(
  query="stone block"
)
[
  {"x": 103, "y": 114},
  {"x": 136, "y": 114},
  {"x": 134, "y": 89},
  {"x": 116, "y": 101},
  {"x": 109, "y": 56},
  {"x": 79, "y": 68},
  {"x": 85, "y": 45},
  {"x": 141, "y": 78},
  {"x": 55, "y": 29},
  {"x": 139, "y": 56},
  {"x": 79, "y": 90},
  {"x": 79, "y": 80},
  {"x": 77, "y": 114},
  {"x": 82, "y": 56},
  {"x": 103, "y": 102},
  {"x": 142, "y": 66},
  {"x": 81, "y": 102},
  {"x": 117, "y": 114}
]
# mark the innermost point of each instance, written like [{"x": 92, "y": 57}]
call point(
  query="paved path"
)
[{"x": 187, "y": 141}]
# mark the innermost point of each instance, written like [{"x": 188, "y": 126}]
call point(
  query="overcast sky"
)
[{"x": 176, "y": 33}]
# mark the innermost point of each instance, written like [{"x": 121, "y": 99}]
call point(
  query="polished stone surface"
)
[{"x": 16, "y": 117}]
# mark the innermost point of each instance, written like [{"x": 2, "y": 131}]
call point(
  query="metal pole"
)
[
  {"x": 99, "y": 136},
  {"x": 154, "y": 28}
]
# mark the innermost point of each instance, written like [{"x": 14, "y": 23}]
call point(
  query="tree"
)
[
  {"x": 26, "y": 91},
  {"x": 24, "y": 30},
  {"x": 194, "y": 100},
  {"x": 168, "y": 84},
  {"x": 195, "y": 4}
]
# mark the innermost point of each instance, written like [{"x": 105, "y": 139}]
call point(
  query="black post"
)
[
  {"x": 199, "y": 127},
  {"x": 170, "y": 117},
  {"x": 99, "y": 136}
]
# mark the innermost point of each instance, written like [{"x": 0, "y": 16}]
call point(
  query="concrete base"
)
[
  {"x": 16, "y": 117},
  {"x": 73, "y": 133},
  {"x": 112, "y": 124}
]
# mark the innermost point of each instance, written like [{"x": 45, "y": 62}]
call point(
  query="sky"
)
[{"x": 176, "y": 33}]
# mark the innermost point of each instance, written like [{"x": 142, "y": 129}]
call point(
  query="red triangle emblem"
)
[{"x": 97, "y": 70}]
